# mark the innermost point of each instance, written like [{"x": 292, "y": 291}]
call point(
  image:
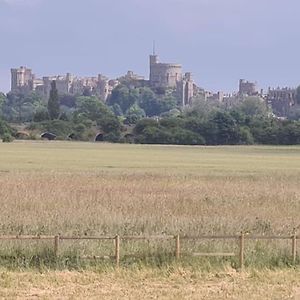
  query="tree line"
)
[{"x": 142, "y": 115}]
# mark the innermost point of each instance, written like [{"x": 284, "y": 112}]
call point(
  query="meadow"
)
[
  {"x": 85, "y": 188},
  {"x": 68, "y": 188}
]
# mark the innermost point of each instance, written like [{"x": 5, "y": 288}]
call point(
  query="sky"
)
[{"x": 219, "y": 41}]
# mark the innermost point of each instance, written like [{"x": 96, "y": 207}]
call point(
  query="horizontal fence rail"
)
[
  {"x": 26, "y": 237},
  {"x": 241, "y": 238},
  {"x": 97, "y": 238},
  {"x": 208, "y": 254}
]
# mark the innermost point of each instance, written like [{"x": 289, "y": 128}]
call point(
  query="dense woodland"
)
[{"x": 143, "y": 115}]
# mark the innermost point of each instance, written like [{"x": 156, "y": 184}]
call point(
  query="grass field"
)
[
  {"x": 175, "y": 160},
  {"x": 95, "y": 189},
  {"x": 77, "y": 188}
]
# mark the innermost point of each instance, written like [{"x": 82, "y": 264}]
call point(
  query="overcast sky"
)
[{"x": 219, "y": 41}]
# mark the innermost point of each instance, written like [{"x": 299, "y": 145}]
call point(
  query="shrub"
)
[
  {"x": 7, "y": 138},
  {"x": 41, "y": 115}
]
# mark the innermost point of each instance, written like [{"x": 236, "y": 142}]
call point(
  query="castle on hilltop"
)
[{"x": 162, "y": 75}]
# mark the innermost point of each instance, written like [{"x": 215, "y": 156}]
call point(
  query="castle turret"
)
[
  {"x": 164, "y": 75},
  {"x": 21, "y": 79},
  {"x": 247, "y": 88}
]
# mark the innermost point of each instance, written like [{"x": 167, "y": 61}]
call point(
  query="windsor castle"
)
[{"x": 162, "y": 75}]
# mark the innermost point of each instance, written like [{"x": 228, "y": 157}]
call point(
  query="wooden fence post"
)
[
  {"x": 56, "y": 245},
  {"x": 294, "y": 247},
  {"x": 242, "y": 250},
  {"x": 177, "y": 244},
  {"x": 117, "y": 250}
]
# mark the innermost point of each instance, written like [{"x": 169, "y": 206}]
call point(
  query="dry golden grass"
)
[
  {"x": 151, "y": 284},
  {"x": 96, "y": 189},
  {"x": 146, "y": 203},
  {"x": 83, "y": 188}
]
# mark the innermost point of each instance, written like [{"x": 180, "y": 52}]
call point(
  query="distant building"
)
[
  {"x": 162, "y": 75},
  {"x": 132, "y": 76},
  {"x": 21, "y": 79},
  {"x": 281, "y": 100},
  {"x": 63, "y": 84},
  {"x": 215, "y": 97},
  {"x": 247, "y": 88}
]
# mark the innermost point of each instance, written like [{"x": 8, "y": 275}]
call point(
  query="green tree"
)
[
  {"x": 53, "y": 102},
  {"x": 143, "y": 124},
  {"x": 124, "y": 97},
  {"x": 167, "y": 103},
  {"x": 245, "y": 136},
  {"x": 2, "y": 102},
  {"x": 166, "y": 131},
  {"x": 289, "y": 133},
  {"x": 92, "y": 108},
  {"x": 67, "y": 100},
  {"x": 264, "y": 130},
  {"x": 110, "y": 124},
  {"x": 253, "y": 106},
  {"x": 155, "y": 135},
  {"x": 7, "y": 138},
  {"x": 187, "y": 137},
  {"x": 5, "y": 129},
  {"x": 149, "y": 102},
  {"x": 111, "y": 128},
  {"x": 19, "y": 107},
  {"x": 41, "y": 115},
  {"x": 134, "y": 114},
  {"x": 227, "y": 130},
  {"x": 117, "y": 110},
  {"x": 202, "y": 108},
  {"x": 175, "y": 112}
]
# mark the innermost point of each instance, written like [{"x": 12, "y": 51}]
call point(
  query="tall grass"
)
[{"x": 208, "y": 191}]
